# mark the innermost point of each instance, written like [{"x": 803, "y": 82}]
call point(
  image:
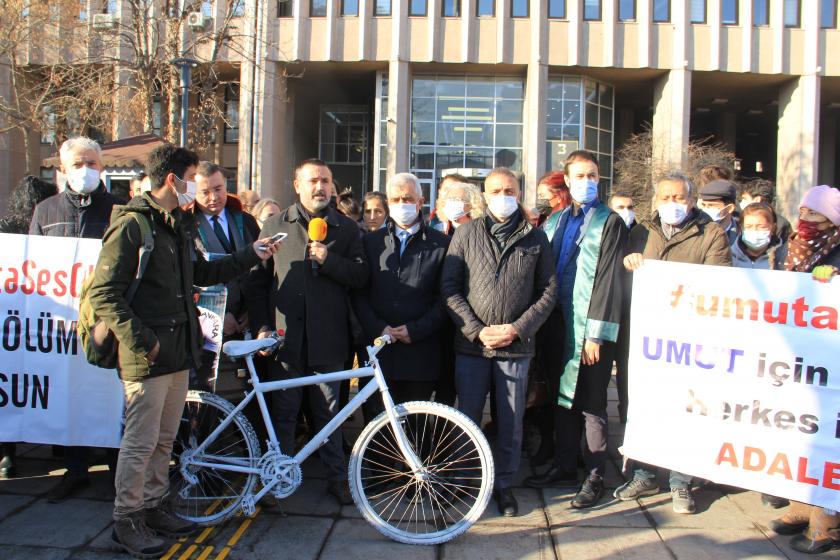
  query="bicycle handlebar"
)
[{"x": 383, "y": 340}]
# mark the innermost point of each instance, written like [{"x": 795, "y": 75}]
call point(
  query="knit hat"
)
[{"x": 825, "y": 200}]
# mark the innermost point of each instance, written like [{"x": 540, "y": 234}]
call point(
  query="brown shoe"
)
[
  {"x": 794, "y": 520},
  {"x": 822, "y": 535},
  {"x": 162, "y": 521},
  {"x": 133, "y": 536}
]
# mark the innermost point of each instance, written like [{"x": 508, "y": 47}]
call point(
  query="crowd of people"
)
[{"x": 484, "y": 298}]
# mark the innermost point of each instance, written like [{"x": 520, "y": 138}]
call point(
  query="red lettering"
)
[
  {"x": 751, "y": 453},
  {"x": 12, "y": 281},
  {"x": 827, "y": 319},
  {"x": 802, "y": 473},
  {"x": 781, "y": 466},
  {"x": 830, "y": 474},
  {"x": 43, "y": 280},
  {"x": 74, "y": 280},
  {"x": 28, "y": 287},
  {"x": 780, "y": 317},
  {"x": 727, "y": 455},
  {"x": 61, "y": 288}
]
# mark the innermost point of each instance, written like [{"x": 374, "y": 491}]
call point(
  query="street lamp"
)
[{"x": 186, "y": 65}]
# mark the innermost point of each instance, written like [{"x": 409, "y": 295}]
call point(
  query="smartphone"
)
[{"x": 279, "y": 237}]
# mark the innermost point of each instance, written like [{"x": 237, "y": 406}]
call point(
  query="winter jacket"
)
[
  {"x": 405, "y": 290},
  {"x": 163, "y": 309},
  {"x": 700, "y": 241},
  {"x": 773, "y": 258},
  {"x": 69, "y": 214},
  {"x": 313, "y": 308},
  {"x": 483, "y": 285}
]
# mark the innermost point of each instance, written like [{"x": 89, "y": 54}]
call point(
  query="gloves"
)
[{"x": 824, "y": 272}]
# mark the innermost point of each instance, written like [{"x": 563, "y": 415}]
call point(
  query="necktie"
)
[
  {"x": 403, "y": 237},
  {"x": 220, "y": 233}
]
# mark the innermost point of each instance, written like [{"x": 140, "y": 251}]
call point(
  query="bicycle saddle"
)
[{"x": 239, "y": 348}]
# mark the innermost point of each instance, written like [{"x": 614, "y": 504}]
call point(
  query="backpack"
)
[{"x": 97, "y": 340}]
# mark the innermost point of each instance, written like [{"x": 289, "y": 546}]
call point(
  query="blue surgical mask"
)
[
  {"x": 583, "y": 191},
  {"x": 713, "y": 213}
]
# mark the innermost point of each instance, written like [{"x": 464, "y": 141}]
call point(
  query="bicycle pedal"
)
[{"x": 249, "y": 508}]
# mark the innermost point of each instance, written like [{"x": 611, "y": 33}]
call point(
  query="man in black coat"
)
[
  {"x": 306, "y": 284},
  {"x": 402, "y": 298},
  {"x": 82, "y": 210}
]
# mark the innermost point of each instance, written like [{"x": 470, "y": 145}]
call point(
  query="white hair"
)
[
  {"x": 79, "y": 143},
  {"x": 401, "y": 179},
  {"x": 472, "y": 192}
]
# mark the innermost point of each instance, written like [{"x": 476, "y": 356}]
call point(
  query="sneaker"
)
[
  {"x": 164, "y": 522},
  {"x": 636, "y": 488},
  {"x": 682, "y": 501},
  {"x": 133, "y": 536},
  {"x": 68, "y": 487},
  {"x": 590, "y": 492}
]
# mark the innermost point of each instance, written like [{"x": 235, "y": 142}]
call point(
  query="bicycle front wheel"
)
[
  {"x": 218, "y": 492},
  {"x": 452, "y": 491}
]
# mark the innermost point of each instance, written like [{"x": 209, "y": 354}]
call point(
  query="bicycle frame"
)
[{"x": 261, "y": 388}]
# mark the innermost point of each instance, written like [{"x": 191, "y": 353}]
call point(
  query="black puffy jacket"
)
[
  {"x": 483, "y": 285},
  {"x": 69, "y": 214}
]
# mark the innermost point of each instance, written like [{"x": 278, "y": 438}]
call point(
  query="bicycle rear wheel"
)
[
  {"x": 456, "y": 484},
  {"x": 218, "y": 493}
]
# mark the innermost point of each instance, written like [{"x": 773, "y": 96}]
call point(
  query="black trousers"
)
[{"x": 401, "y": 392}]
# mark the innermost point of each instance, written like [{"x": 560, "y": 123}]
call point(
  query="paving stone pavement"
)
[{"x": 730, "y": 524}]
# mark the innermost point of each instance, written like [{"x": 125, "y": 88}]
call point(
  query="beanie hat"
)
[{"x": 825, "y": 200}]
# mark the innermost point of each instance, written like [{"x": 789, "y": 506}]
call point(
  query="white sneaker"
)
[{"x": 682, "y": 501}]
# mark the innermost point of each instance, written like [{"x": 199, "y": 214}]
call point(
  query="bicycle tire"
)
[
  {"x": 459, "y": 463},
  {"x": 238, "y": 442}
]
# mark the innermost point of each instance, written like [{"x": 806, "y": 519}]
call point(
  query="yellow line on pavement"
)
[
  {"x": 238, "y": 534},
  {"x": 204, "y": 534},
  {"x": 172, "y": 550},
  {"x": 187, "y": 553},
  {"x": 212, "y": 507},
  {"x": 223, "y": 554},
  {"x": 205, "y": 553}
]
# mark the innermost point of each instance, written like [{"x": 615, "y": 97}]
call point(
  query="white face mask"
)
[
  {"x": 454, "y": 209},
  {"x": 502, "y": 206},
  {"x": 583, "y": 191},
  {"x": 189, "y": 196},
  {"x": 672, "y": 213},
  {"x": 713, "y": 213},
  {"x": 627, "y": 215},
  {"x": 756, "y": 239},
  {"x": 83, "y": 180},
  {"x": 403, "y": 213}
]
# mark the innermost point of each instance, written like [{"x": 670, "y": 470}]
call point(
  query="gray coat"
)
[
  {"x": 483, "y": 285},
  {"x": 771, "y": 259}
]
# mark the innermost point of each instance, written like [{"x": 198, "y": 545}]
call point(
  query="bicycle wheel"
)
[
  {"x": 218, "y": 493},
  {"x": 457, "y": 480}
]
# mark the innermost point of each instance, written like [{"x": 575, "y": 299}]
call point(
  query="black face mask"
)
[{"x": 543, "y": 207}]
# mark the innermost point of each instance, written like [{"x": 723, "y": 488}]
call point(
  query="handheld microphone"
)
[{"x": 317, "y": 232}]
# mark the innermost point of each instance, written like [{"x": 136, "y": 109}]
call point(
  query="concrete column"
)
[
  {"x": 536, "y": 90},
  {"x": 608, "y": 19},
  {"x": 468, "y": 31},
  {"x": 574, "y": 13},
  {"x": 643, "y": 17},
  {"x": 727, "y": 130},
  {"x": 828, "y": 152},
  {"x": 504, "y": 46},
  {"x": 400, "y": 35},
  {"x": 745, "y": 19},
  {"x": 671, "y": 106},
  {"x": 797, "y": 145},
  {"x": 399, "y": 101},
  {"x": 365, "y": 22}
]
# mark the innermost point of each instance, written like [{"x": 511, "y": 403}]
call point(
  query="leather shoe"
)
[
  {"x": 8, "y": 468},
  {"x": 553, "y": 478},
  {"x": 589, "y": 493},
  {"x": 774, "y": 502},
  {"x": 69, "y": 486},
  {"x": 508, "y": 506},
  {"x": 339, "y": 490}
]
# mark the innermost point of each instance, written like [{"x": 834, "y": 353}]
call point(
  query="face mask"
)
[
  {"x": 543, "y": 207},
  {"x": 502, "y": 206},
  {"x": 627, "y": 215},
  {"x": 403, "y": 213},
  {"x": 756, "y": 239},
  {"x": 454, "y": 209},
  {"x": 713, "y": 213},
  {"x": 673, "y": 213},
  {"x": 808, "y": 230},
  {"x": 83, "y": 180},
  {"x": 189, "y": 196},
  {"x": 583, "y": 191},
  {"x": 744, "y": 204}
]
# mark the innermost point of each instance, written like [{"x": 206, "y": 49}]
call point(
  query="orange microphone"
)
[{"x": 317, "y": 232}]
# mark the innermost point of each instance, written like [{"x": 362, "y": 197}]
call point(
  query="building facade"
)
[{"x": 376, "y": 87}]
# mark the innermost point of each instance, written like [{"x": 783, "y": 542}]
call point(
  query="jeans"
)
[{"x": 675, "y": 479}]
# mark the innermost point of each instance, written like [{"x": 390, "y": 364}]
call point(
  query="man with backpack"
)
[{"x": 158, "y": 337}]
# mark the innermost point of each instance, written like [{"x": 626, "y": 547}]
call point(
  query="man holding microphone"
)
[{"x": 307, "y": 287}]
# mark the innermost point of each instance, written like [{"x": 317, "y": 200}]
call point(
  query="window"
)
[
  {"x": 661, "y": 11},
  {"x": 236, "y": 8},
  {"x": 792, "y": 10},
  {"x": 557, "y": 9},
  {"x": 519, "y": 8},
  {"x": 828, "y": 14},
  {"x": 317, "y": 8},
  {"x": 761, "y": 12},
  {"x": 350, "y": 7},
  {"x": 232, "y": 113},
  {"x": 382, "y": 8},
  {"x": 417, "y": 8},
  {"x": 111, "y": 6},
  {"x": 451, "y": 8},
  {"x": 729, "y": 12},
  {"x": 284, "y": 8},
  {"x": 486, "y": 8},
  {"x": 627, "y": 10},
  {"x": 698, "y": 11},
  {"x": 592, "y": 10},
  {"x": 83, "y": 16},
  {"x": 207, "y": 8}
]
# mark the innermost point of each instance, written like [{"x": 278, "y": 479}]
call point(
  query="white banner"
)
[
  {"x": 48, "y": 391},
  {"x": 735, "y": 378}
]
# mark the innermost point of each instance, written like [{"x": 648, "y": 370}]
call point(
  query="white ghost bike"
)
[{"x": 420, "y": 472}]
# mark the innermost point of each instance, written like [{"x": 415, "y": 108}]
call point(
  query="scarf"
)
[
  {"x": 804, "y": 255},
  {"x": 501, "y": 231}
]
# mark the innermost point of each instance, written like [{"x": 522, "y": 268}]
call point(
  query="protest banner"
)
[
  {"x": 734, "y": 378},
  {"x": 48, "y": 391}
]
